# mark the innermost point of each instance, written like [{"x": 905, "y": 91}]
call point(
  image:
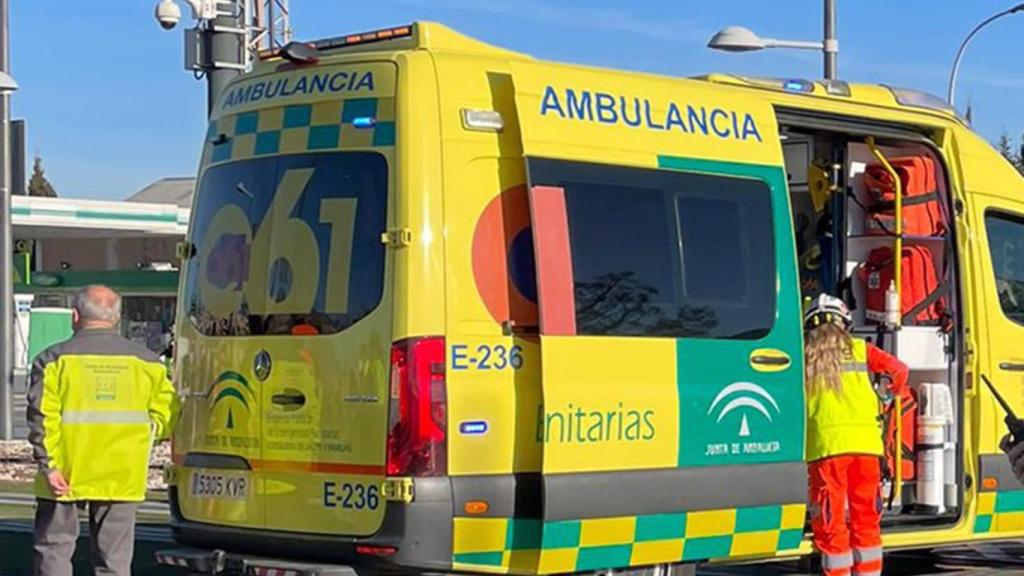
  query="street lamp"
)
[
  {"x": 960, "y": 52},
  {"x": 7, "y": 85},
  {"x": 739, "y": 39}
]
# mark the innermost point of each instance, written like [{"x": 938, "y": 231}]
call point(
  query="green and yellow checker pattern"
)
[
  {"x": 1000, "y": 512},
  {"x": 326, "y": 125},
  {"x": 520, "y": 546}
]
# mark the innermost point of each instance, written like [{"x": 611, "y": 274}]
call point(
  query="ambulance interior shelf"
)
[
  {"x": 913, "y": 324},
  {"x": 845, "y": 218}
]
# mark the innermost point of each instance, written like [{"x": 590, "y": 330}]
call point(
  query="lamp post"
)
[
  {"x": 739, "y": 39},
  {"x": 951, "y": 95},
  {"x": 7, "y": 85}
]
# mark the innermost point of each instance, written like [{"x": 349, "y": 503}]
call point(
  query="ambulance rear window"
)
[
  {"x": 288, "y": 245},
  {"x": 664, "y": 253}
]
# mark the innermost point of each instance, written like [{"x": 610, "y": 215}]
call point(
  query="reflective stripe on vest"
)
[
  {"x": 105, "y": 417},
  {"x": 845, "y": 422}
]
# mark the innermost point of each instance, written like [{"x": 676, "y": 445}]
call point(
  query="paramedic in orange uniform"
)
[{"x": 844, "y": 439}]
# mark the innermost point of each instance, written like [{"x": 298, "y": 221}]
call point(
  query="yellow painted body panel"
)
[
  {"x": 632, "y": 432},
  {"x": 748, "y": 119},
  {"x": 460, "y": 193}
]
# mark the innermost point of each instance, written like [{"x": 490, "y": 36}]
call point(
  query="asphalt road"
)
[{"x": 977, "y": 560}]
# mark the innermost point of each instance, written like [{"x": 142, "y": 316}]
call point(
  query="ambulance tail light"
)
[
  {"x": 418, "y": 422},
  {"x": 378, "y": 551}
]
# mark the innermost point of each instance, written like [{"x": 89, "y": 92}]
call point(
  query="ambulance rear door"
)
[
  {"x": 290, "y": 290},
  {"x": 673, "y": 407}
]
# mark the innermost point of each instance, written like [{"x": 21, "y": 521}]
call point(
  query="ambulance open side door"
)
[
  {"x": 670, "y": 326},
  {"x": 995, "y": 275}
]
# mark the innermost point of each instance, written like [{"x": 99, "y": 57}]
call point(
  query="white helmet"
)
[{"x": 824, "y": 309}]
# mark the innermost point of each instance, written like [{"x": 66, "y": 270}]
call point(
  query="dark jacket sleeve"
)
[{"x": 43, "y": 411}]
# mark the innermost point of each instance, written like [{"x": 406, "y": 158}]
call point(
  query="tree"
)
[
  {"x": 618, "y": 303},
  {"x": 38, "y": 185},
  {"x": 1005, "y": 146},
  {"x": 1014, "y": 156}
]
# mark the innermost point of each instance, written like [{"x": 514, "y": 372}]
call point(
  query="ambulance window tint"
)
[
  {"x": 288, "y": 245},
  {"x": 1006, "y": 245},
  {"x": 664, "y": 253}
]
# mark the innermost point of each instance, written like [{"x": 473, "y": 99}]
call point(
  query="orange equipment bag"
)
[
  {"x": 922, "y": 214},
  {"x": 908, "y": 433},
  {"x": 921, "y": 295}
]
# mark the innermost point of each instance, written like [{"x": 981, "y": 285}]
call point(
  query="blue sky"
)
[{"x": 110, "y": 108}]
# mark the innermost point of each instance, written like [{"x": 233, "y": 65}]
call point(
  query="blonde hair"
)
[{"x": 827, "y": 347}]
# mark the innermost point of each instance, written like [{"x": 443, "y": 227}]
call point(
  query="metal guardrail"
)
[
  {"x": 143, "y": 532},
  {"x": 28, "y": 500}
]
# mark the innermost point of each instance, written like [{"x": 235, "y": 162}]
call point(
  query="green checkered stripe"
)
[
  {"x": 1000, "y": 512},
  {"x": 515, "y": 545},
  {"x": 521, "y": 535},
  {"x": 327, "y": 125}
]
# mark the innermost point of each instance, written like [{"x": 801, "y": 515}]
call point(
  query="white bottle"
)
[
  {"x": 892, "y": 305},
  {"x": 930, "y": 446}
]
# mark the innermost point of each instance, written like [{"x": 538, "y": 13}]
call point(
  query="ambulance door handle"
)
[
  {"x": 289, "y": 398},
  {"x": 769, "y": 360},
  {"x": 1012, "y": 366}
]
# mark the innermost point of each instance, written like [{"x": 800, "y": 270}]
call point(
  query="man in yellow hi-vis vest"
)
[{"x": 97, "y": 402}]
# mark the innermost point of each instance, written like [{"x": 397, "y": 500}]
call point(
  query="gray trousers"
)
[{"x": 112, "y": 542}]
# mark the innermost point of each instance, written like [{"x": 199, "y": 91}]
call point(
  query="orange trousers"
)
[{"x": 838, "y": 484}]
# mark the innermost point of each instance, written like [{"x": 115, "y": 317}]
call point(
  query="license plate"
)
[{"x": 220, "y": 486}]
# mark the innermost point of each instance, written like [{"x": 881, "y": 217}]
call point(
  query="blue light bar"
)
[
  {"x": 795, "y": 86},
  {"x": 787, "y": 84},
  {"x": 364, "y": 122}
]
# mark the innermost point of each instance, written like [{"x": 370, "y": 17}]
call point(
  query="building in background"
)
[{"x": 63, "y": 244}]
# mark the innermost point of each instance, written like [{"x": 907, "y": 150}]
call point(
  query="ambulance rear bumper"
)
[
  {"x": 420, "y": 534},
  {"x": 202, "y": 561}
]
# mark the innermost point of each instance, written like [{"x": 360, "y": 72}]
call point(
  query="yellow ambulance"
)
[{"x": 446, "y": 307}]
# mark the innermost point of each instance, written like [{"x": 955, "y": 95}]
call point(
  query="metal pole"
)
[
  {"x": 951, "y": 93},
  {"x": 6, "y": 253},
  {"x": 226, "y": 37},
  {"x": 831, "y": 42}
]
